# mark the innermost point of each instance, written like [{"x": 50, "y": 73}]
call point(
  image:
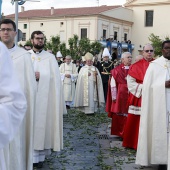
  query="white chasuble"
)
[
  {"x": 50, "y": 107},
  {"x": 89, "y": 90},
  {"x": 12, "y": 108},
  {"x": 20, "y": 150},
  {"x": 153, "y": 142}
]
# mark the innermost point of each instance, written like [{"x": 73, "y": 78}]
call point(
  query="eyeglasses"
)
[
  {"x": 166, "y": 48},
  {"x": 6, "y": 29},
  {"x": 147, "y": 51},
  {"x": 38, "y": 38}
]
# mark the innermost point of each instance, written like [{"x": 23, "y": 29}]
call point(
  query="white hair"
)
[
  {"x": 124, "y": 54},
  {"x": 147, "y": 45},
  {"x": 68, "y": 57}
]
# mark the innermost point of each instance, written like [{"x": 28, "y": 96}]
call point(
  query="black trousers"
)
[{"x": 105, "y": 89}]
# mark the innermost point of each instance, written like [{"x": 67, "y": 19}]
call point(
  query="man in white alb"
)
[
  {"x": 12, "y": 103},
  {"x": 50, "y": 107},
  {"x": 154, "y": 139},
  {"x": 19, "y": 152},
  {"x": 89, "y": 89},
  {"x": 69, "y": 75}
]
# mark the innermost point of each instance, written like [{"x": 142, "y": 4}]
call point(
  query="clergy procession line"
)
[{"x": 135, "y": 96}]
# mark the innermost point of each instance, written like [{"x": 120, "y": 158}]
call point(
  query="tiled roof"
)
[{"x": 64, "y": 12}]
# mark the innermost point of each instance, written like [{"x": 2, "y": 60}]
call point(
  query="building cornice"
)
[
  {"x": 76, "y": 17},
  {"x": 147, "y": 4}
]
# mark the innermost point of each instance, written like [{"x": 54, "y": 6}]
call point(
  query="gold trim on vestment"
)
[{"x": 86, "y": 89}]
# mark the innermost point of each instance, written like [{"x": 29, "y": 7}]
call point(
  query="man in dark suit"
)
[{"x": 105, "y": 68}]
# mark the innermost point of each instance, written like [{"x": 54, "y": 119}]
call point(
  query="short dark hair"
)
[
  {"x": 164, "y": 42},
  {"x": 36, "y": 32},
  {"x": 8, "y": 21}
]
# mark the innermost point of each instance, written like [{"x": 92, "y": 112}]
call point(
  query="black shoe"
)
[
  {"x": 67, "y": 106},
  {"x": 162, "y": 167},
  {"x": 40, "y": 165},
  {"x": 35, "y": 165}
]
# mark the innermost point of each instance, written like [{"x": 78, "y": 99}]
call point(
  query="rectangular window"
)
[
  {"x": 149, "y": 18},
  {"x": 104, "y": 34},
  {"x": 115, "y": 35},
  {"x": 83, "y": 33},
  {"x": 23, "y": 36},
  {"x": 25, "y": 26},
  {"x": 125, "y": 37}
]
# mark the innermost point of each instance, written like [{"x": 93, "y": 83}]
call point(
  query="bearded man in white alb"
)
[
  {"x": 89, "y": 89},
  {"x": 12, "y": 103},
  {"x": 154, "y": 130},
  {"x": 49, "y": 108},
  {"x": 69, "y": 75},
  {"x": 19, "y": 152}
]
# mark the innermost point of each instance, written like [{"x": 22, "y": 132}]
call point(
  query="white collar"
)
[{"x": 12, "y": 49}]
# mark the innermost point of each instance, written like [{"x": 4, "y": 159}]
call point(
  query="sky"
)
[{"x": 8, "y": 8}]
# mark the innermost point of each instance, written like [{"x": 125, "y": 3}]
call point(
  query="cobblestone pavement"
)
[{"x": 89, "y": 146}]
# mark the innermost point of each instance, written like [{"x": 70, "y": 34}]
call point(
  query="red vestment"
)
[
  {"x": 117, "y": 110},
  {"x": 130, "y": 136}
]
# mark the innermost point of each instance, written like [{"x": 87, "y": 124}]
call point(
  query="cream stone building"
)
[
  {"x": 135, "y": 21},
  {"x": 91, "y": 22},
  {"x": 149, "y": 16}
]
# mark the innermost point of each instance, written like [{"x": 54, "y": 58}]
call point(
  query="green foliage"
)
[
  {"x": 77, "y": 48},
  {"x": 63, "y": 49},
  {"x": 84, "y": 46},
  {"x": 157, "y": 43},
  {"x": 95, "y": 47},
  {"x": 54, "y": 44},
  {"x": 73, "y": 47},
  {"x": 28, "y": 42}
]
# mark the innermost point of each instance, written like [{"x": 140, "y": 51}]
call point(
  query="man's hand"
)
[
  {"x": 95, "y": 73},
  {"x": 68, "y": 75},
  {"x": 37, "y": 75},
  {"x": 167, "y": 84},
  {"x": 114, "y": 100}
]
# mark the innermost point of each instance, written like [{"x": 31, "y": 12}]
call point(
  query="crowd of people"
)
[{"x": 36, "y": 90}]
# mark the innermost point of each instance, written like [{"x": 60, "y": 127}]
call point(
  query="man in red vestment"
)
[
  {"x": 118, "y": 95},
  {"x": 135, "y": 80}
]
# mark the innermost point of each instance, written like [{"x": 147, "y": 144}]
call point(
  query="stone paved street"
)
[{"x": 89, "y": 146}]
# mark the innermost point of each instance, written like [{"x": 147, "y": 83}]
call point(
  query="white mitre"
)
[
  {"x": 106, "y": 53},
  {"x": 59, "y": 54},
  {"x": 88, "y": 56}
]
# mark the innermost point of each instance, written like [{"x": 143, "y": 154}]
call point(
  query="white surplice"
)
[
  {"x": 68, "y": 83},
  {"x": 12, "y": 102},
  {"x": 154, "y": 143},
  {"x": 50, "y": 107},
  {"x": 89, "y": 90},
  {"x": 19, "y": 153}
]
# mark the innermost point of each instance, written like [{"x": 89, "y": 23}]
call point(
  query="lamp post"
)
[{"x": 18, "y": 2}]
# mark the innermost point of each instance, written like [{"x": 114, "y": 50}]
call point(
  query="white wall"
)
[{"x": 161, "y": 24}]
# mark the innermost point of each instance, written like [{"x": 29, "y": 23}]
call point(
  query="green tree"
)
[
  {"x": 157, "y": 43},
  {"x": 77, "y": 48},
  {"x": 84, "y": 46},
  {"x": 95, "y": 47},
  {"x": 28, "y": 42},
  {"x": 54, "y": 44},
  {"x": 73, "y": 47},
  {"x": 63, "y": 49}
]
